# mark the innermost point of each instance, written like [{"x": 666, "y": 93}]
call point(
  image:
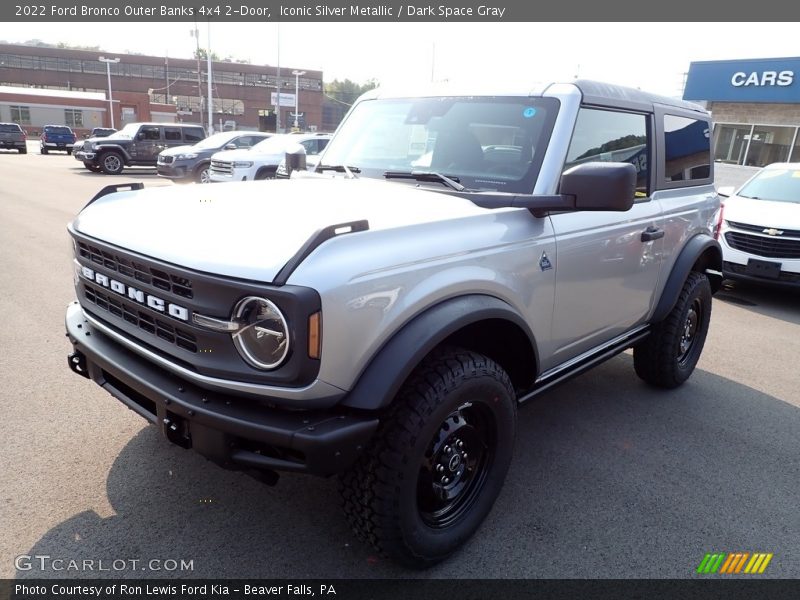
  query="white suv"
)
[
  {"x": 262, "y": 160},
  {"x": 760, "y": 227}
]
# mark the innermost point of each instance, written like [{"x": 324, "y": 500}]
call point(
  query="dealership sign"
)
[{"x": 764, "y": 80}]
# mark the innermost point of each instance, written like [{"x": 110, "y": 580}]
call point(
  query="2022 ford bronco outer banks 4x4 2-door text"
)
[{"x": 381, "y": 319}]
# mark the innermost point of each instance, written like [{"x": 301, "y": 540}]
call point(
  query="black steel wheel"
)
[
  {"x": 434, "y": 469},
  {"x": 668, "y": 356}
]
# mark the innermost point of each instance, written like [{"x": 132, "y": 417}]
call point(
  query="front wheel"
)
[
  {"x": 203, "y": 174},
  {"x": 111, "y": 163},
  {"x": 668, "y": 356},
  {"x": 434, "y": 469}
]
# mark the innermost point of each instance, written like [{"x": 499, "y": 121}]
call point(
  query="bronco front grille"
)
[
  {"x": 135, "y": 316},
  {"x": 221, "y": 167},
  {"x": 137, "y": 270},
  {"x": 771, "y": 247}
]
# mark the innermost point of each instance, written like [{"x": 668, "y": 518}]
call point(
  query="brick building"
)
[
  {"x": 243, "y": 95},
  {"x": 755, "y": 105}
]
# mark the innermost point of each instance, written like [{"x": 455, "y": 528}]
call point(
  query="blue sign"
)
[{"x": 757, "y": 80}]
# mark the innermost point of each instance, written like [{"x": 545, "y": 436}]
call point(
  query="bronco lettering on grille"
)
[{"x": 154, "y": 302}]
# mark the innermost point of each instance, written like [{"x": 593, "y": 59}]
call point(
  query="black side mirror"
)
[
  {"x": 600, "y": 185},
  {"x": 295, "y": 159}
]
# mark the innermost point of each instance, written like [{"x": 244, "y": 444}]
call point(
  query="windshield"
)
[
  {"x": 780, "y": 185},
  {"x": 217, "y": 140},
  {"x": 128, "y": 131},
  {"x": 273, "y": 145},
  {"x": 486, "y": 143}
]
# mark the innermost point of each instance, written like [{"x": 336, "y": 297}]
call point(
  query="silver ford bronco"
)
[{"x": 453, "y": 255}]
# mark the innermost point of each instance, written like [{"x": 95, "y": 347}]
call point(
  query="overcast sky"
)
[{"x": 652, "y": 56}]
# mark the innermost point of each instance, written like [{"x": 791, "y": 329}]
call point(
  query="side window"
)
[
  {"x": 687, "y": 149},
  {"x": 172, "y": 134},
  {"x": 611, "y": 136},
  {"x": 193, "y": 134},
  {"x": 311, "y": 147},
  {"x": 149, "y": 133},
  {"x": 246, "y": 141}
]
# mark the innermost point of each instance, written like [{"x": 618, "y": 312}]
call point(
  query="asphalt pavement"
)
[{"x": 610, "y": 479}]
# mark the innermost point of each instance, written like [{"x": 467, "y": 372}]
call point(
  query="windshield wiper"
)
[
  {"x": 346, "y": 169},
  {"x": 451, "y": 182}
]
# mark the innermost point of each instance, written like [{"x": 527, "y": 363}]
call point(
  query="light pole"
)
[
  {"x": 108, "y": 62},
  {"x": 297, "y": 74}
]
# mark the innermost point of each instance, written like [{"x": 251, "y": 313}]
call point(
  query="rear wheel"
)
[
  {"x": 22, "y": 150},
  {"x": 668, "y": 356},
  {"x": 111, "y": 163},
  {"x": 434, "y": 469},
  {"x": 43, "y": 150}
]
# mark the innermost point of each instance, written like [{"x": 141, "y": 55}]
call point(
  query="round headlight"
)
[{"x": 263, "y": 338}]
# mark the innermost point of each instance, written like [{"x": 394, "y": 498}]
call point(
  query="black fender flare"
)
[
  {"x": 380, "y": 381},
  {"x": 687, "y": 259}
]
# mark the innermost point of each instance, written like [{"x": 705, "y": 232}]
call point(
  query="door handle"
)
[{"x": 652, "y": 233}]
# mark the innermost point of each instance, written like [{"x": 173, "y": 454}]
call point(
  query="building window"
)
[
  {"x": 754, "y": 145},
  {"x": 21, "y": 115},
  {"x": 73, "y": 118}
]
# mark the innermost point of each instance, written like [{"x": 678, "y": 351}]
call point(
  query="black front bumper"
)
[{"x": 235, "y": 432}]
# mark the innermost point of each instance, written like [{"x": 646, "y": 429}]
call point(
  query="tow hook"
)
[{"x": 77, "y": 362}]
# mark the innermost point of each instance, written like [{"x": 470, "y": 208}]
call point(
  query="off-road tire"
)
[
  {"x": 22, "y": 150},
  {"x": 668, "y": 356},
  {"x": 43, "y": 150},
  {"x": 456, "y": 402},
  {"x": 92, "y": 167},
  {"x": 111, "y": 163}
]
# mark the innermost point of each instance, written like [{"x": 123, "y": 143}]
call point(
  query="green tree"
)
[{"x": 347, "y": 91}]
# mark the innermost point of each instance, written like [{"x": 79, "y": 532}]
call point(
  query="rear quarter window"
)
[
  {"x": 193, "y": 135},
  {"x": 687, "y": 150}
]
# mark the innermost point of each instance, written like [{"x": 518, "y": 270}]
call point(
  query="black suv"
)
[{"x": 136, "y": 144}]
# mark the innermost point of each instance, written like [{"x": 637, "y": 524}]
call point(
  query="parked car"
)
[
  {"x": 57, "y": 137},
  {"x": 262, "y": 160},
  {"x": 385, "y": 322},
  {"x": 101, "y": 132},
  {"x": 191, "y": 163},
  {"x": 136, "y": 144},
  {"x": 760, "y": 227},
  {"x": 97, "y": 132},
  {"x": 13, "y": 137}
]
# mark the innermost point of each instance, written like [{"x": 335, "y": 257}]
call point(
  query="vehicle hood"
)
[
  {"x": 249, "y": 154},
  {"x": 250, "y": 230},
  {"x": 175, "y": 150},
  {"x": 766, "y": 213}
]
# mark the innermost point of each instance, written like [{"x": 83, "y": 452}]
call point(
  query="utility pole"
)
[
  {"x": 196, "y": 35},
  {"x": 278, "y": 86},
  {"x": 210, "y": 104}
]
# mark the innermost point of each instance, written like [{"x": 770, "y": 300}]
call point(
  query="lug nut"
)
[
  {"x": 448, "y": 449},
  {"x": 460, "y": 444},
  {"x": 440, "y": 468}
]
